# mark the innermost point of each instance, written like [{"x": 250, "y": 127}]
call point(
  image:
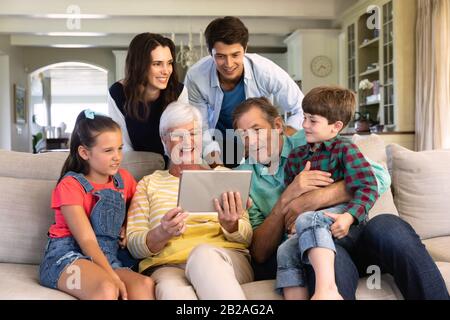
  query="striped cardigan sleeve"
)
[
  {"x": 138, "y": 222},
  {"x": 243, "y": 234}
]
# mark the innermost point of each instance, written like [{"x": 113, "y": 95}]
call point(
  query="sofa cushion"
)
[
  {"x": 439, "y": 248},
  {"x": 422, "y": 189},
  {"x": 444, "y": 268},
  {"x": 42, "y": 166},
  {"x": 141, "y": 163},
  {"x": 26, "y": 183},
  {"x": 20, "y": 282},
  {"x": 261, "y": 290},
  {"x": 25, "y": 217},
  {"x": 264, "y": 290},
  {"x": 47, "y": 166},
  {"x": 373, "y": 147},
  {"x": 388, "y": 289}
]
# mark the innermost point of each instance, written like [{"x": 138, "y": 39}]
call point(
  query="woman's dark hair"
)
[
  {"x": 229, "y": 30},
  {"x": 85, "y": 134},
  {"x": 137, "y": 64}
]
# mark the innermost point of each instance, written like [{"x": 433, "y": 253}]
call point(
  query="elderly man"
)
[{"x": 385, "y": 241}]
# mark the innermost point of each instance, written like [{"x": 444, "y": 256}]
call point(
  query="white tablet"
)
[{"x": 198, "y": 188}]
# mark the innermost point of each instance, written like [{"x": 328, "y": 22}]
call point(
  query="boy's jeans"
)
[
  {"x": 313, "y": 231},
  {"x": 388, "y": 242}
]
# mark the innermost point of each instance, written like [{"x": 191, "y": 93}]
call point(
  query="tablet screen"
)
[{"x": 198, "y": 188}]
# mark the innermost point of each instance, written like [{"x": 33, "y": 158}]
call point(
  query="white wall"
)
[
  {"x": 19, "y": 137},
  {"x": 319, "y": 43},
  {"x": 308, "y": 44},
  {"x": 5, "y": 104},
  {"x": 20, "y": 133},
  {"x": 120, "y": 57},
  {"x": 279, "y": 58}
]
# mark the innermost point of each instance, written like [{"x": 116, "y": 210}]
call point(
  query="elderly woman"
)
[{"x": 189, "y": 255}]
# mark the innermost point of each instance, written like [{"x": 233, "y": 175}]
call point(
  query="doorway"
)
[{"x": 59, "y": 92}]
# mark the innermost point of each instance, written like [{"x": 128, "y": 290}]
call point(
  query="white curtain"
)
[{"x": 433, "y": 75}]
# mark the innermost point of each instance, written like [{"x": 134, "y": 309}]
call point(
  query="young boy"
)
[{"x": 327, "y": 110}]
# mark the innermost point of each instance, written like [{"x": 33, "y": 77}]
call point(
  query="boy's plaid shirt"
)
[{"x": 343, "y": 160}]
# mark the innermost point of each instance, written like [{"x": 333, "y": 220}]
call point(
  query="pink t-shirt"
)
[{"x": 70, "y": 192}]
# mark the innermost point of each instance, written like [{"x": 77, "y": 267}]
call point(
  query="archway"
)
[{"x": 58, "y": 92}]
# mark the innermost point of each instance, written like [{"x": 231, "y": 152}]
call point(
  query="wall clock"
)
[{"x": 321, "y": 66}]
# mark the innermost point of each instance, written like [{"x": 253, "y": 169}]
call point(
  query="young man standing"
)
[{"x": 218, "y": 83}]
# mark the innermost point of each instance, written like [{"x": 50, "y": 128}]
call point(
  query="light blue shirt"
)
[
  {"x": 231, "y": 100},
  {"x": 262, "y": 78}
]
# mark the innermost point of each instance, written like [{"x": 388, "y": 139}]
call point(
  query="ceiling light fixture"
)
[
  {"x": 70, "y": 16},
  {"x": 187, "y": 56},
  {"x": 71, "y": 45},
  {"x": 72, "y": 34}
]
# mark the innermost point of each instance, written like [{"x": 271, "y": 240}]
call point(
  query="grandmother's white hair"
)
[{"x": 176, "y": 114}]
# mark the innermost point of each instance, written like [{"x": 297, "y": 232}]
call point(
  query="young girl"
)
[{"x": 90, "y": 207}]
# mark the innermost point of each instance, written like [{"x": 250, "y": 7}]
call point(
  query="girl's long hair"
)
[
  {"x": 137, "y": 65},
  {"x": 85, "y": 134}
]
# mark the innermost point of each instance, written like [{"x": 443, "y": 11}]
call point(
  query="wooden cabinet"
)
[
  {"x": 380, "y": 48},
  {"x": 57, "y": 144}
]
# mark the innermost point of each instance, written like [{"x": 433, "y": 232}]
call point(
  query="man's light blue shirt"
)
[{"x": 262, "y": 78}]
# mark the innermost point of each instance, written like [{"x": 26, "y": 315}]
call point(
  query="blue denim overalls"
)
[{"x": 106, "y": 218}]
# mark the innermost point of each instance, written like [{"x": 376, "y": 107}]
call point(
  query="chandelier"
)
[{"x": 187, "y": 55}]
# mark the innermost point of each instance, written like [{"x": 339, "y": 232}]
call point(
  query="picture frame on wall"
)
[{"x": 20, "y": 114}]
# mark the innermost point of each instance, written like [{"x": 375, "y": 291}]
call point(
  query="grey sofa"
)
[{"x": 26, "y": 182}]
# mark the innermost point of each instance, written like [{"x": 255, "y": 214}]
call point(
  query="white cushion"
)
[
  {"x": 422, "y": 189},
  {"x": 373, "y": 147}
]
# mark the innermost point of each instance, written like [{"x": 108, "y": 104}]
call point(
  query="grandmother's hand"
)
[
  {"x": 173, "y": 222},
  {"x": 231, "y": 211}
]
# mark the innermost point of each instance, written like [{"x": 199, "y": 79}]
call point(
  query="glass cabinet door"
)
[
  {"x": 351, "y": 47},
  {"x": 388, "y": 64}
]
